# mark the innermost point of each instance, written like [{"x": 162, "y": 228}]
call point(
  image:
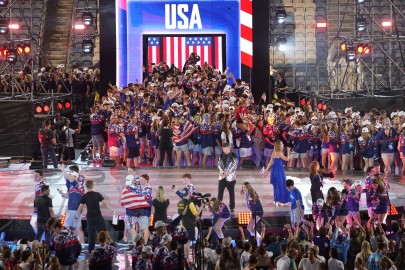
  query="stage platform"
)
[{"x": 17, "y": 188}]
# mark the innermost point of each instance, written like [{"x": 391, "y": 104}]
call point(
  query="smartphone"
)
[{"x": 233, "y": 243}]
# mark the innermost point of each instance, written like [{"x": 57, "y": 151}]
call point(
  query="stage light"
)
[
  {"x": 281, "y": 14},
  {"x": 14, "y": 26},
  {"x": 152, "y": 218},
  {"x": 63, "y": 219},
  {"x": 303, "y": 102},
  {"x": 308, "y": 102},
  {"x": 360, "y": 48},
  {"x": 59, "y": 105},
  {"x": 87, "y": 46},
  {"x": 67, "y": 104},
  {"x": 393, "y": 211},
  {"x": 324, "y": 107},
  {"x": 38, "y": 108},
  {"x": 281, "y": 44},
  {"x": 46, "y": 108},
  {"x": 12, "y": 55},
  {"x": 350, "y": 54},
  {"x": 319, "y": 106},
  {"x": 361, "y": 24},
  {"x": 360, "y": 1},
  {"x": 79, "y": 26},
  {"x": 20, "y": 49},
  {"x": 367, "y": 49},
  {"x": 343, "y": 46},
  {"x": 3, "y": 3},
  {"x": 4, "y": 26},
  {"x": 87, "y": 18},
  {"x": 26, "y": 48},
  {"x": 321, "y": 25},
  {"x": 244, "y": 218},
  {"x": 386, "y": 24}
]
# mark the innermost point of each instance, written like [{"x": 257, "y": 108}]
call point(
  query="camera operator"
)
[
  {"x": 47, "y": 139},
  {"x": 189, "y": 218},
  {"x": 68, "y": 150}
]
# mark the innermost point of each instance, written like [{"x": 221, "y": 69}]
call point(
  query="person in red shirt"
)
[{"x": 241, "y": 112}]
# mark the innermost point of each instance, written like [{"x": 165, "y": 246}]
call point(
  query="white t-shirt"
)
[
  {"x": 305, "y": 264},
  {"x": 334, "y": 264},
  {"x": 230, "y": 138},
  {"x": 284, "y": 263},
  {"x": 69, "y": 136}
]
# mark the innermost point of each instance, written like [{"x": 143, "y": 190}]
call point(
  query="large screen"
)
[{"x": 165, "y": 30}]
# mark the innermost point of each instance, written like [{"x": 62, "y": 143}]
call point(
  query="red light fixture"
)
[
  {"x": 38, "y": 109},
  {"x": 68, "y": 104},
  {"x": 324, "y": 107},
  {"x": 303, "y": 102},
  {"x": 14, "y": 26},
  {"x": 343, "y": 46},
  {"x": 46, "y": 108},
  {"x": 319, "y": 106}
]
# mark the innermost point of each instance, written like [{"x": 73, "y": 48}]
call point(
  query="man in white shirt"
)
[
  {"x": 68, "y": 152},
  {"x": 288, "y": 262},
  {"x": 333, "y": 262},
  {"x": 310, "y": 263}
]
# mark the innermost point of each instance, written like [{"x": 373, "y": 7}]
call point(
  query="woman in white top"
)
[{"x": 226, "y": 134}]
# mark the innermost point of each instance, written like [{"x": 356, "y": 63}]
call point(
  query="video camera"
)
[
  {"x": 200, "y": 198},
  {"x": 78, "y": 117}
]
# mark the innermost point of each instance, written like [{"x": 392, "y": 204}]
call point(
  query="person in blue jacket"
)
[{"x": 340, "y": 241}]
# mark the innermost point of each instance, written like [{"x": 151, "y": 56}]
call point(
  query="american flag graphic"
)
[
  {"x": 183, "y": 132},
  {"x": 131, "y": 200},
  {"x": 246, "y": 32},
  {"x": 176, "y": 50}
]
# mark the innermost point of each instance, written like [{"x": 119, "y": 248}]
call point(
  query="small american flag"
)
[
  {"x": 131, "y": 200},
  {"x": 183, "y": 134},
  {"x": 176, "y": 50}
]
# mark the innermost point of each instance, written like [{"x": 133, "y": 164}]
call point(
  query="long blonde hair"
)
[
  {"x": 277, "y": 146},
  {"x": 160, "y": 194},
  {"x": 365, "y": 251}
]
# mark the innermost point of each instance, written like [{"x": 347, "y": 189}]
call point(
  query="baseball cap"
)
[
  {"x": 348, "y": 109},
  {"x": 188, "y": 71},
  {"x": 366, "y": 123},
  {"x": 320, "y": 201},
  {"x": 147, "y": 250},
  {"x": 355, "y": 114},
  {"x": 166, "y": 239},
  {"x": 357, "y": 183},
  {"x": 160, "y": 223},
  {"x": 175, "y": 105},
  {"x": 314, "y": 118},
  {"x": 364, "y": 129}
]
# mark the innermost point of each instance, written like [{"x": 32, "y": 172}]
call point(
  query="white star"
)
[
  {"x": 148, "y": 38},
  {"x": 195, "y": 38},
  {"x": 198, "y": 42},
  {"x": 200, "y": 38},
  {"x": 157, "y": 42},
  {"x": 151, "y": 42},
  {"x": 193, "y": 42},
  {"x": 206, "y": 38},
  {"x": 209, "y": 42}
]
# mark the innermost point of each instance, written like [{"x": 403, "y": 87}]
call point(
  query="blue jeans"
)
[
  {"x": 94, "y": 225},
  {"x": 48, "y": 152}
]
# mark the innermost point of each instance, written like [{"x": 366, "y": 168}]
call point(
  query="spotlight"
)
[
  {"x": 67, "y": 104},
  {"x": 12, "y": 56},
  {"x": 321, "y": 25},
  {"x": 244, "y": 218},
  {"x": 38, "y": 108},
  {"x": 79, "y": 26},
  {"x": 14, "y": 26},
  {"x": 87, "y": 18},
  {"x": 360, "y": 1},
  {"x": 360, "y": 48},
  {"x": 87, "y": 46},
  {"x": 350, "y": 54},
  {"x": 281, "y": 14},
  {"x": 321, "y": 106},
  {"x": 20, "y": 48},
  {"x": 303, "y": 101},
  {"x": 343, "y": 46},
  {"x": 3, "y": 3},
  {"x": 281, "y": 44},
  {"x": 4, "y": 26},
  {"x": 367, "y": 49},
  {"x": 46, "y": 108},
  {"x": 59, "y": 105},
  {"x": 361, "y": 24},
  {"x": 26, "y": 48},
  {"x": 386, "y": 24}
]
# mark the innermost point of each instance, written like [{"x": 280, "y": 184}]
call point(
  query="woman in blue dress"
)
[{"x": 277, "y": 175}]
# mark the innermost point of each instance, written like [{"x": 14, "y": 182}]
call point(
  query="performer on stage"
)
[
  {"x": 47, "y": 139},
  {"x": 255, "y": 206},
  {"x": 277, "y": 175},
  {"x": 220, "y": 214},
  {"x": 227, "y": 164},
  {"x": 316, "y": 177},
  {"x": 281, "y": 85},
  {"x": 40, "y": 182}
]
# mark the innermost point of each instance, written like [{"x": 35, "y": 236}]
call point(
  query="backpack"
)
[{"x": 62, "y": 136}]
